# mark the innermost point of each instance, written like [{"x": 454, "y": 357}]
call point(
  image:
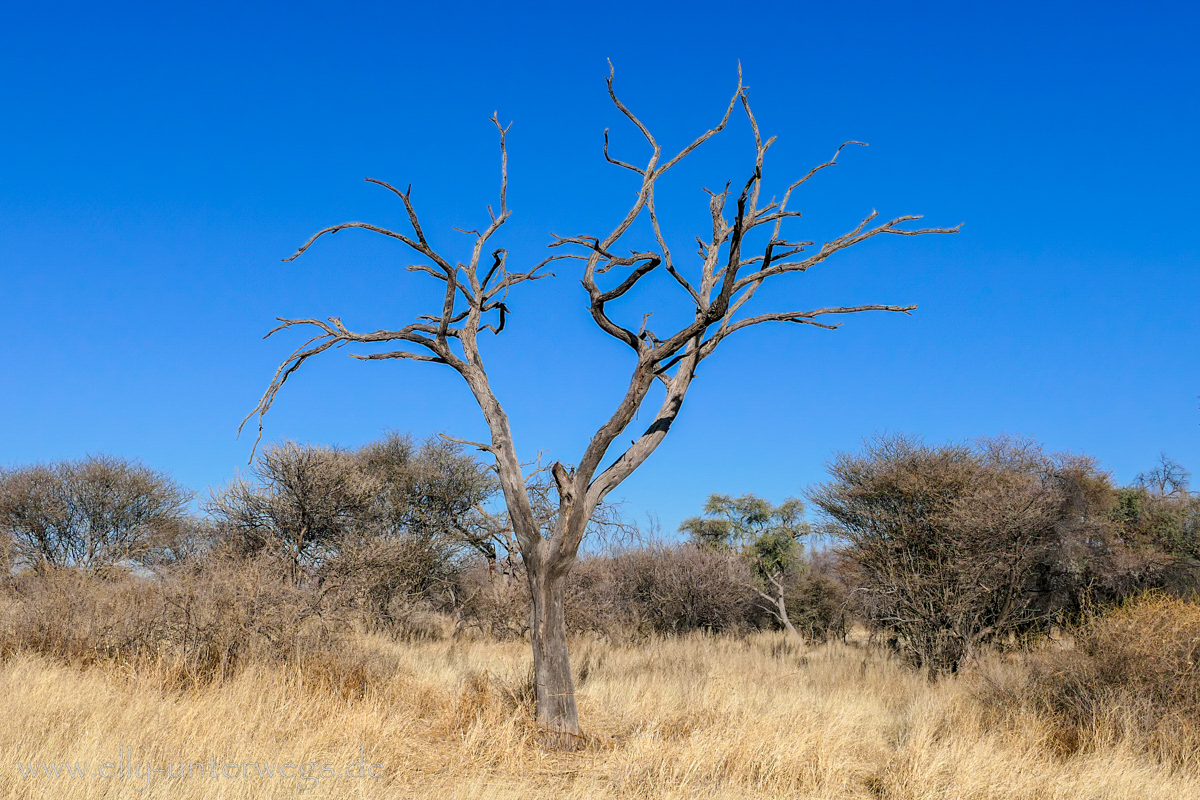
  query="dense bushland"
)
[{"x": 946, "y": 552}]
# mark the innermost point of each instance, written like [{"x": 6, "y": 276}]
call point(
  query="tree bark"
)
[
  {"x": 557, "y": 715},
  {"x": 781, "y": 612},
  {"x": 778, "y": 606}
]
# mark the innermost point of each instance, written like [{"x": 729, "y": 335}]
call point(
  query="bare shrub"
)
[
  {"x": 679, "y": 588},
  {"x": 392, "y": 583},
  {"x": 817, "y": 601},
  {"x": 302, "y": 502},
  {"x": 80, "y": 617},
  {"x": 197, "y": 624},
  {"x": 96, "y": 511},
  {"x": 382, "y": 532},
  {"x": 631, "y": 593},
  {"x": 428, "y": 490},
  {"x": 223, "y": 613},
  {"x": 494, "y": 600},
  {"x": 1134, "y": 676},
  {"x": 593, "y": 603}
]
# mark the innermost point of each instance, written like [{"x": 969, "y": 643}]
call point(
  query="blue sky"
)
[{"x": 160, "y": 160}]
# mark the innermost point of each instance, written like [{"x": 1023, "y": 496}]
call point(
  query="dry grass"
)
[
  {"x": 1132, "y": 676},
  {"x": 718, "y": 717}
]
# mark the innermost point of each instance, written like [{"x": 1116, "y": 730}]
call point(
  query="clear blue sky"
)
[{"x": 160, "y": 159}]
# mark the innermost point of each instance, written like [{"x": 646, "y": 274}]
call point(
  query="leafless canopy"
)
[
  {"x": 718, "y": 291},
  {"x": 91, "y": 513},
  {"x": 476, "y": 291}
]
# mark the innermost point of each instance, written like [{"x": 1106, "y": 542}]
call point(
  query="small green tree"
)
[
  {"x": 1159, "y": 511},
  {"x": 767, "y": 536}
]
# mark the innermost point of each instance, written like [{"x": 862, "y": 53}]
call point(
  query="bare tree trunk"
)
[
  {"x": 781, "y": 612},
  {"x": 778, "y": 607},
  {"x": 557, "y": 716}
]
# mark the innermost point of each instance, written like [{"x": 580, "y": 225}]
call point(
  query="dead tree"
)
[{"x": 475, "y": 300}]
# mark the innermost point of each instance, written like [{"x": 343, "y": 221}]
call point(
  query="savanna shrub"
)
[
  {"x": 493, "y": 600},
  {"x": 816, "y": 604},
  {"x": 679, "y": 588}
]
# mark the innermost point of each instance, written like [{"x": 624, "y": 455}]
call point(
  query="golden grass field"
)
[{"x": 701, "y": 716}]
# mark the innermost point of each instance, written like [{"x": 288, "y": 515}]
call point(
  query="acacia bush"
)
[
  {"x": 493, "y": 600},
  {"x": 221, "y": 613},
  {"x": 957, "y": 547},
  {"x": 392, "y": 584},
  {"x": 818, "y": 604},
  {"x": 382, "y": 532},
  {"x": 1157, "y": 513},
  {"x": 593, "y": 602}
]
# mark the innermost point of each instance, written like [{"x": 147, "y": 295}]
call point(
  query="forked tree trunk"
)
[
  {"x": 781, "y": 613},
  {"x": 778, "y": 604},
  {"x": 557, "y": 716}
]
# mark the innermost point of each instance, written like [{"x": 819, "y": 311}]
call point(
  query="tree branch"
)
[
  {"x": 487, "y": 448},
  {"x": 808, "y": 316}
]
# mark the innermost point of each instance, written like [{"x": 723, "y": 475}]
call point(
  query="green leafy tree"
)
[{"x": 767, "y": 536}]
